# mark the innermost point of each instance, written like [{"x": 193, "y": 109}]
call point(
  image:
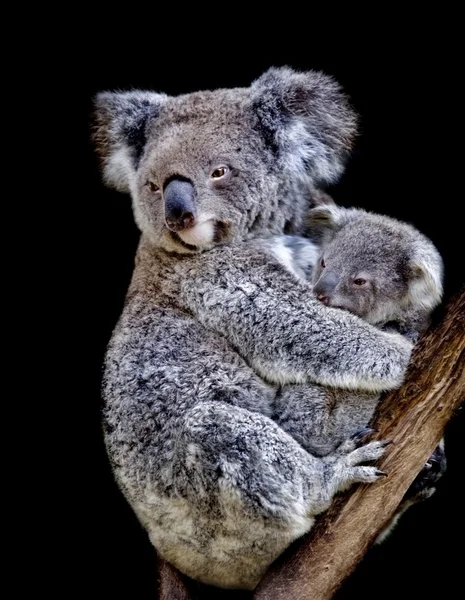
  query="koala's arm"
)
[{"x": 273, "y": 320}]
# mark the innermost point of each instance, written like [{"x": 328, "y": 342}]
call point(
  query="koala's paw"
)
[
  {"x": 348, "y": 457},
  {"x": 352, "y": 443},
  {"x": 424, "y": 485}
]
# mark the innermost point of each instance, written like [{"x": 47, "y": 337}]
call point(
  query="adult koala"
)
[{"x": 212, "y": 320}]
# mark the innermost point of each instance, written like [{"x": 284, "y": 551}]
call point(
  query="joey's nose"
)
[
  {"x": 325, "y": 287},
  {"x": 323, "y": 298},
  {"x": 179, "y": 200}
]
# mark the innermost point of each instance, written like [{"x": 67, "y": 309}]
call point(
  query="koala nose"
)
[
  {"x": 324, "y": 299},
  {"x": 325, "y": 286},
  {"x": 179, "y": 198}
]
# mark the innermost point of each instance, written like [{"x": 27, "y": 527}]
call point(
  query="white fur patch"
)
[
  {"x": 426, "y": 290},
  {"x": 200, "y": 235},
  {"x": 118, "y": 170},
  {"x": 284, "y": 255},
  {"x": 309, "y": 254}
]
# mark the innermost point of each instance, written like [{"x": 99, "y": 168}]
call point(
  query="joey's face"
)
[{"x": 359, "y": 273}]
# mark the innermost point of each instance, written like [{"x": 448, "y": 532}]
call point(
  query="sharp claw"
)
[
  {"x": 381, "y": 473},
  {"x": 387, "y": 443},
  {"x": 363, "y": 432}
]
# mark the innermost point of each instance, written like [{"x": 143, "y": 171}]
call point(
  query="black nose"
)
[{"x": 179, "y": 198}]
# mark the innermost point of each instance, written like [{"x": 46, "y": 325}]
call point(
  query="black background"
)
[{"x": 404, "y": 83}]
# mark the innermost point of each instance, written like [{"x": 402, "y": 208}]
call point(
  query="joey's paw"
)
[
  {"x": 411, "y": 334},
  {"x": 424, "y": 485}
]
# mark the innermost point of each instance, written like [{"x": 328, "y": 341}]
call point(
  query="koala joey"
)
[
  {"x": 212, "y": 321},
  {"x": 387, "y": 273}
]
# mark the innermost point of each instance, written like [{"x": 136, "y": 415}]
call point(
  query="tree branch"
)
[{"x": 414, "y": 417}]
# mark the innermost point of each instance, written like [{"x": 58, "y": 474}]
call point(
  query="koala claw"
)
[
  {"x": 346, "y": 463},
  {"x": 361, "y": 475},
  {"x": 387, "y": 443},
  {"x": 371, "y": 451},
  {"x": 358, "y": 435}
]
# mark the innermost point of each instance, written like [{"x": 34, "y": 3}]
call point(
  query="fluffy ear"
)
[
  {"x": 120, "y": 125},
  {"x": 427, "y": 271},
  {"x": 306, "y": 118},
  {"x": 324, "y": 221}
]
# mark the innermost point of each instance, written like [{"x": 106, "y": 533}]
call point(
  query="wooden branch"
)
[
  {"x": 414, "y": 417},
  {"x": 171, "y": 583}
]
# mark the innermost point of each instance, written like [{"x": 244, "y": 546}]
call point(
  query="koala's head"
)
[
  {"x": 372, "y": 265},
  {"x": 219, "y": 166}
]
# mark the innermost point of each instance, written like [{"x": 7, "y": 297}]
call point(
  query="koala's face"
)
[
  {"x": 199, "y": 185},
  {"x": 360, "y": 273},
  {"x": 214, "y": 167},
  {"x": 372, "y": 265}
]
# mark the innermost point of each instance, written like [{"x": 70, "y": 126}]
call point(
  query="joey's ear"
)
[
  {"x": 427, "y": 273},
  {"x": 323, "y": 222},
  {"x": 119, "y": 132},
  {"x": 307, "y": 119}
]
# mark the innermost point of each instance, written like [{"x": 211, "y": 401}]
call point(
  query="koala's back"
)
[{"x": 159, "y": 364}]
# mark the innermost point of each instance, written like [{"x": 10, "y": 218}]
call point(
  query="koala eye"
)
[
  {"x": 153, "y": 187},
  {"x": 322, "y": 263},
  {"x": 360, "y": 281},
  {"x": 218, "y": 172}
]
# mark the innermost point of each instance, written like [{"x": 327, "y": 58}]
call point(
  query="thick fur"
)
[
  {"x": 402, "y": 273},
  {"x": 213, "y": 321}
]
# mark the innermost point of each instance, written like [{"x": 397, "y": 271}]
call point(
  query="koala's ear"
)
[
  {"x": 331, "y": 216},
  {"x": 427, "y": 273},
  {"x": 307, "y": 119},
  {"x": 119, "y": 132}
]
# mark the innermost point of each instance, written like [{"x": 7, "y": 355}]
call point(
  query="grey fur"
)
[
  {"x": 211, "y": 324},
  {"x": 403, "y": 272}
]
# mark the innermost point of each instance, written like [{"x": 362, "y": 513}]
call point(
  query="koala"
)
[
  {"x": 399, "y": 272},
  {"x": 212, "y": 321},
  {"x": 387, "y": 273}
]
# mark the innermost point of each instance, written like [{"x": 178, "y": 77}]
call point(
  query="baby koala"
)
[
  {"x": 389, "y": 274},
  {"x": 383, "y": 270}
]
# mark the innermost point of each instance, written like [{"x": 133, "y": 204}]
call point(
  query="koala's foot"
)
[
  {"x": 424, "y": 485},
  {"x": 346, "y": 462},
  {"x": 422, "y": 488}
]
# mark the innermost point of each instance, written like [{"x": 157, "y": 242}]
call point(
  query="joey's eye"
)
[
  {"x": 360, "y": 281},
  {"x": 322, "y": 263},
  {"x": 218, "y": 172},
  {"x": 153, "y": 187}
]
